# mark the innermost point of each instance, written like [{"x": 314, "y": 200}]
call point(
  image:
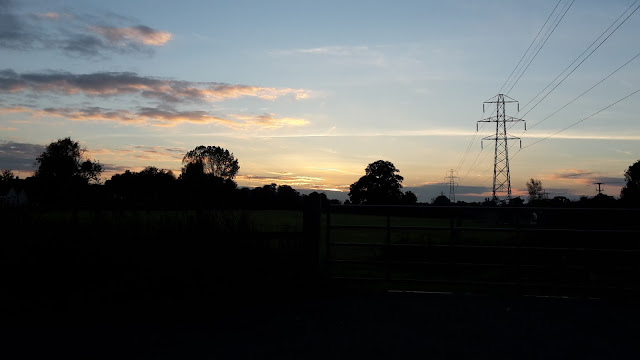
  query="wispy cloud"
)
[
  {"x": 77, "y": 35},
  {"x": 584, "y": 136},
  {"x": 291, "y": 179},
  {"x": 450, "y": 132},
  {"x": 335, "y": 50},
  {"x": 333, "y": 170},
  {"x": 108, "y": 84},
  {"x": 270, "y": 121},
  {"x": 357, "y": 55},
  {"x": 159, "y": 117},
  {"x": 143, "y": 152},
  {"x": 137, "y": 34},
  {"x": 379, "y": 132},
  {"x": 584, "y": 177},
  {"x": 51, "y": 15}
]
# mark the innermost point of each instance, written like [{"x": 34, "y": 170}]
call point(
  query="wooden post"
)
[
  {"x": 388, "y": 252},
  {"x": 312, "y": 226}
]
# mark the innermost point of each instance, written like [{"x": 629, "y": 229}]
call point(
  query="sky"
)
[{"x": 308, "y": 93}]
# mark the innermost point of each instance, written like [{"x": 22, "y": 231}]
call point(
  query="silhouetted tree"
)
[
  {"x": 409, "y": 198},
  {"x": 630, "y": 193},
  {"x": 149, "y": 187},
  {"x": 441, "y": 200},
  {"x": 64, "y": 160},
  {"x": 212, "y": 160},
  {"x": 536, "y": 192},
  {"x": 516, "y": 201},
  {"x": 63, "y": 174},
  {"x": 560, "y": 201},
  {"x": 323, "y": 199},
  {"x": 154, "y": 174},
  {"x": 379, "y": 185},
  {"x": 265, "y": 196},
  {"x": 7, "y": 178},
  {"x": 288, "y": 197}
]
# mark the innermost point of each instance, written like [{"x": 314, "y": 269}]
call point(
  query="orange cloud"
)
[
  {"x": 158, "y": 117},
  {"x": 140, "y": 34},
  {"x": 301, "y": 182},
  {"x": 14, "y": 110},
  {"x": 573, "y": 175},
  {"x": 143, "y": 152},
  {"x": 123, "y": 83},
  {"x": 49, "y": 15},
  {"x": 170, "y": 118},
  {"x": 270, "y": 121}
]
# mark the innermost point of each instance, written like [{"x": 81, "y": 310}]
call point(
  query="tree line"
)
[{"x": 65, "y": 176}]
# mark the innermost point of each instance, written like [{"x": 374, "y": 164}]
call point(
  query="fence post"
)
[
  {"x": 311, "y": 228},
  {"x": 518, "y": 254},
  {"x": 387, "y": 251}
]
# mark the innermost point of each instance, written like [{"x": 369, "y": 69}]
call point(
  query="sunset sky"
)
[{"x": 307, "y": 93}]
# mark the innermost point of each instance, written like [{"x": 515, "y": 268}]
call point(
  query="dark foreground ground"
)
[{"x": 338, "y": 326}]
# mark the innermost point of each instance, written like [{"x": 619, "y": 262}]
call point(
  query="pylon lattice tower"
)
[
  {"x": 501, "y": 174},
  {"x": 599, "y": 187},
  {"x": 452, "y": 185}
]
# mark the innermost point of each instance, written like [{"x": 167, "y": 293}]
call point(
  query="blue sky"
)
[{"x": 308, "y": 93}]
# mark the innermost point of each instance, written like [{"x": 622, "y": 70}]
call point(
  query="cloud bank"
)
[
  {"x": 19, "y": 156},
  {"x": 110, "y": 84},
  {"x": 75, "y": 35},
  {"x": 124, "y": 87},
  {"x": 160, "y": 117}
]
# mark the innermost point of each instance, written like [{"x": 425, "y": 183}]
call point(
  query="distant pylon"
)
[
  {"x": 501, "y": 174},
  {"x": 599, "y": 187},
  {"x": 452, "y": 185}
]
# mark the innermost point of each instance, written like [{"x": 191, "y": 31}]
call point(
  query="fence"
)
[
  {"x": 517, "y": 251},
  {"x": 121, "y": 256}
]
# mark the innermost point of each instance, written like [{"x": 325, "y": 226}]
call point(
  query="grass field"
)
[
  {"x": 484, "y": 248},
  {"x": 481, "y": 245}
]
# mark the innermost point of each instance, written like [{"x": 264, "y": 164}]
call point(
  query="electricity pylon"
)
[
  {"x": 501, "y": 174},
  {"x": 599, "y": 187},
  {"x": 452, "y": 185}
]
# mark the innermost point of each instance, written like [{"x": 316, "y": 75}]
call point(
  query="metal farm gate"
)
[{"x": 516, "y": 251}]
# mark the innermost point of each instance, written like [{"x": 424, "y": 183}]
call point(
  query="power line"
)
[
  {"x": 559, "y": 75},
  {"x": 479, "y": 153},
  {"x": 583, "y": 60},
  {"x": 546, "y": 36},
  {"x": 472, "y": 165},
  {"x": 475, "y": 135},
  {"x": 566, "y": 9},
  {"x": 591, "y": 88},
  {"x": 464, "y": 157},
  {"x": 532, "y": 42},
  {"x": 579, "y": 121}
]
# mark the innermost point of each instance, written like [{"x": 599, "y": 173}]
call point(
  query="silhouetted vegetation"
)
[
  {"x": 156, "y": 242},
  {"x": 380, "y": 186},
  {"x": 535, "y": 190},
  {"x": 211, "y": 160},
  {"x": 630, "y": 193},
  {"x": 441, "y": 200},
  {"x": 66, "y": 178}
]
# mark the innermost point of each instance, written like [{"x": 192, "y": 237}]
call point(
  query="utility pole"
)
[
  {"x": 452, "y": 185},
  {"x": 501, "y": 174},
  {"x": 599, "y": 188}
]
